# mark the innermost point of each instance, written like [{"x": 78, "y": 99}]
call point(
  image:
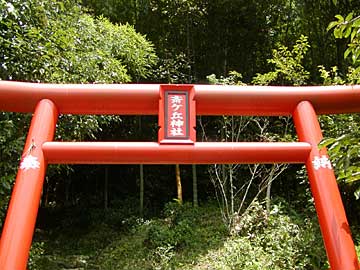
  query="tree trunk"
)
[
  {"x": 178, "y": 184},
  {"x": 106, "y": 188},
  {"x": 268, "y": 190},
  {"x": 195, "y": 192},
  {"x": 141, "y": 168},
  {"x": 232, "y": 198},
  {"x": 67, "y": 191},
  {"x": 46, "y": 190},
  {"x": 141, "y": 190}
]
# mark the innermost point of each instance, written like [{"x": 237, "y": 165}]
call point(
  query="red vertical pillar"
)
[
  {"x": 333, "y": 223},
  {"x": 20, "y": 221}
]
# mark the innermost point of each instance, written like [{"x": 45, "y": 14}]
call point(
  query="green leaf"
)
[
  {"x": 335, "y": 2},
  {"x": 356, "y": 23},
  {"x": 355, "y": 55},
  {"x": 332, "y": 25},
  {"x": 355, "y": 177},
  {"x": 353, "y": 34},
  {"x": 347, "y": 32},
  {"x": 357, "y": 193},
  {"x": 338, "y": 33},
  {"x": 349, "y": 17},
  {"x": 326, "y": 142},
  {"x": 340, "y": 18},
  {"x": 347, "y": 52}
]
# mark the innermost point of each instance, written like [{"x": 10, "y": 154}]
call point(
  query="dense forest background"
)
[{"x": 135, "y": 217}]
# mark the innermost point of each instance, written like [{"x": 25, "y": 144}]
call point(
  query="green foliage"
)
[
  {"x": 55, "y": 41},
  {"x": 123, "y": 11},
  {"x": 342, "y": 134},
  {"x": 331, "y": 77},
  {"x": 52, "y": 41},
  {"x": 237, "y": 186},
  {"x": 278, "y": 241},
  {"x": 176, "y": 42},
  {"x": 36, "y": 252},
  {"x": 288, "y": 65},
  {"x": 282, "y": 240},
  {"x": 176, "y": 230},
  {"x": 173, "y": 69},
  {"x": 234, "y": 78},
  {"x": 207, "y": 36},
  {"x": 13, "y": 128},
  {"x": 349, "y": 28},
  {"x": 165, "y": 243},
  {"x": 344, "y": 146}
]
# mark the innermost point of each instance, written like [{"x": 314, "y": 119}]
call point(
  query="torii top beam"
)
[{"x": 143, "y": 99}]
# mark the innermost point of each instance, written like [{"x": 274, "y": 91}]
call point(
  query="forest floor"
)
[{"x": 182, "y": 237}]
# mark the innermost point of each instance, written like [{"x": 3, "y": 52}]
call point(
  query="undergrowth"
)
[{"x": 185, "y": 238}]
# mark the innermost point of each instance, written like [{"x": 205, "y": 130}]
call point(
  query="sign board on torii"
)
[{"x": 177, "y": 116}]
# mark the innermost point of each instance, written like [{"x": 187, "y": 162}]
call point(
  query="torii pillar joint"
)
[{"x": 329, "y": 207}]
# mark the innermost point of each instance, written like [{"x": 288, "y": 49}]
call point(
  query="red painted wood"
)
[
  {"x": 329, "y": 207},
  {"x": 142, "y": 99},
  {"x": 21, "y": 215},
  {"x": 154, "y": 153}
]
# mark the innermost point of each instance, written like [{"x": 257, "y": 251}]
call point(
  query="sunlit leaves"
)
[
  {"x": 13, "y": 128},
  {"x": 345, "y": 151},
  {"x": 342, "y": 138},
  {"x": 55, "y": 41},
  {"x": 52, "y": 41},
  {"x": 288, "y": 67},
  {"x": 348, "y": 27}
]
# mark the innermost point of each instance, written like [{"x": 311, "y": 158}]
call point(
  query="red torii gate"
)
[{"x": 47, "y": 101}]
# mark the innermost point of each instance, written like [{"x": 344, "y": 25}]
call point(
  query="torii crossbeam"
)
[{"x": 47, "y": 101}]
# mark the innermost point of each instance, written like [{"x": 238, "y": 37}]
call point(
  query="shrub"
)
[
  {"x": 176, "y": 229},
  {"x": 282, "y": 240}
]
